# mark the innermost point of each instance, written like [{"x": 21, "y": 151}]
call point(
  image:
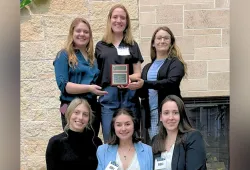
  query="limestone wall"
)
[{"x": 201, "y": 28}]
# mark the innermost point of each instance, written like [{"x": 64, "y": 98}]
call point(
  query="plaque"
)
[{"x": 119, "y": 74}]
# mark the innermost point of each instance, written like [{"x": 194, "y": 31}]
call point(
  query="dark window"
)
[{"x": 211, "y": 116}]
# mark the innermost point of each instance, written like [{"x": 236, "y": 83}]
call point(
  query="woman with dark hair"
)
[
  {"x": 177, "y": 146},
  {"x": 124, "y": 149},
  {"x": 161, "y": 77},
  {"x": 76, "y": 147}
]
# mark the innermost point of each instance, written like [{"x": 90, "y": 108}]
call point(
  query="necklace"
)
[{"x": 125, "y": 156}]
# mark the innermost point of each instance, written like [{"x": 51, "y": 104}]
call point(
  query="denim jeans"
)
[
  {"x": 110, "y": 103},
  {"x": 153, "y": 130}
]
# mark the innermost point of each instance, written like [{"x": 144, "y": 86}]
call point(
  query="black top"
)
[
  {"x": 190, "y": 154},
  {"x": 73, "y": 151},
  {"x": 168, "y": 82},
  {"x": 106, "y": 54}
]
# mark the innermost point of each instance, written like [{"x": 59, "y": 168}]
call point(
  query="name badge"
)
[
  {"x": 123, "y": 51},
  {"x": 160, "y": 163},
  {"x": 112, "y": 166}
]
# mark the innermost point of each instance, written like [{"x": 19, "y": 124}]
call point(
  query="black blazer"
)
[
  {"x": 168, "y": 82},
  {"x": 190, "y": 154}
]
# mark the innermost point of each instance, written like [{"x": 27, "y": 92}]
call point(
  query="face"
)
[
  {"x": 81, "y": 35},
  {"x": 170, "y": 116},
  {"x": 79, "y": 118},
  {"x": 118, "y": 20},
  {"x": 162, "y": 41},
  {"x": 124, "y": 127}
]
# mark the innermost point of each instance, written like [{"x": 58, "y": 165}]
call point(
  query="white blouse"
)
[
  {"x": 134, "y": 165},
  {"x": 168, "y": 157}
]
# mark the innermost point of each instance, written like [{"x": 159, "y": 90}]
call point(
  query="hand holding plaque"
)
[{"x": 119, "y": 74}]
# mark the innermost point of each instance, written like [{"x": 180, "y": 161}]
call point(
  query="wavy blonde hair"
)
[
  {"x": 69, "y": 45},
  {"x": 109, "y": 36},
  {"x": 174, "y": 50}
]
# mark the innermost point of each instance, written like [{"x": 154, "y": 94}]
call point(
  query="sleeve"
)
[
  {"x": 51, "y": 155},
  {"x": 61, "y": 67},
  {"x": 195, "y": 152},
  {"x": 136, "y": 53},
  {"x": 174, "y": 77},
  {"x": 151, "y": 163},
  {"x": 100, "y": 155},
  {"x": 98, "y": 51}
]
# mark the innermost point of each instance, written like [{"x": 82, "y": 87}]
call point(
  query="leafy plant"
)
[{"x": 23, "y": 3}]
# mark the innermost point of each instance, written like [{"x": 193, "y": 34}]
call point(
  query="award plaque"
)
[{"x": 119, "y": 74}]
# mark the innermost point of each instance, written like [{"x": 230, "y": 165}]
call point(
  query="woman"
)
[
  {"x": 76, "y": 69},
  {"x": 177, "y": 146},
  {"x": 124, "y": 150},
  {"x": 76, "y": 147},
  {"x": 117, "y": 47},
  {"x": 161, "y": 77}
]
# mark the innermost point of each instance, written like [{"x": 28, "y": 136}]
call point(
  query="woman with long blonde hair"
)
[{"x": 76, "y": 69}]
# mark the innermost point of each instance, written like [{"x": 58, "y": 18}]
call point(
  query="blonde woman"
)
[
  {"x": 76, "y": 147},
  {"x": 76, "y": 69},
  {"x": 117, "y": 47}
]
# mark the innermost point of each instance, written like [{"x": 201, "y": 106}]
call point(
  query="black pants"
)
[{"x": 95, "y": 106}]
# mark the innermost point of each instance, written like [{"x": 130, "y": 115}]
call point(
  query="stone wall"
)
[{"x": 201, "y": 28}]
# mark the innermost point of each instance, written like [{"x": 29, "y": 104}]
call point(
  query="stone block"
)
[
  {"x": 198, "y": 6},
  {"x": 218, "y": 81},
  {"x": 39, "y": 103},
  {"x": 186, "y": 44},
  {"x": 222, "y": 3},
  {"x": 146, "y": 8},
  {"x": 59, "y": 7},
  {"x": 58, "y": 25},
  {"x": 219, "y": 66},
  {"x": 54, "y": 45},
  {"x": 197, "y": 69},
  {"x": 202, "y": 31},
  {"x": 194, "y": 85},
  {"x": 207, "y": 41},
  {"x": 32, "y": 50},
  {"x": 44, "y": 88},
  {"x": 212, "y": 53},
  {"x": 147, "y": 18},
  {"x": 145, "y": 46},
  {"x": 174, "y": 14},
  {"x": 188, "y": 57},
  {"x": 225, "y": 38},
  {"x": 34, "y": 115},
  {"x": 33, "y": 129},
  {"x": 206, "y": 93},
  {"x": 37, "y": 69},
  {"x": 135, "y": 30},
  {"x": 31, "y": 28},
  {"x": 197, "y": 19}
]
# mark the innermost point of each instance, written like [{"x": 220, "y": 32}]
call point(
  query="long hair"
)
[
  {"x": 174, "y": 50},
  {"x": 73, "y": 104},
  {"x": 127, "y": 33},
  {"x": 70, "y": 46},
  {"x": 113, "y": 139},
  {"x": 183, "y": 127}
]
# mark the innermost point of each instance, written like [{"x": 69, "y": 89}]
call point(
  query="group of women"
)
[{"x": 88, "y": 97}]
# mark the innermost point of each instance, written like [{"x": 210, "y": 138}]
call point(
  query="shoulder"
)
[
  {"x": 143, "y": 146},
  {"x": 57, "y": 139},
  {"x": 97, "y": 141},
  {"x": 102, "y": 148},
  {"x": 193, "y": 137},
  {"x": 62, "y": 53}
]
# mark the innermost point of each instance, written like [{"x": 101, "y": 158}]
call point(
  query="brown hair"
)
[
  {"x": 173, "y": 51},
  {"x": 108, "y": 35},
  {"x": 69, "y": 45},
  {"x": 113, "y": 139},
  {"x": 183, "y": 127}
]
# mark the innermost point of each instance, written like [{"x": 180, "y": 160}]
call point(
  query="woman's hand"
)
[
  {"x": 97, "y": 90},
  {"x": 135, "y": 84}
]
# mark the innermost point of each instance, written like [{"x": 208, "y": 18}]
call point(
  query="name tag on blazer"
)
[
  {"x": 160, "y": 163},
  {"x": 112, "y": 166},
  {"x": 123, "y": 51}
]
